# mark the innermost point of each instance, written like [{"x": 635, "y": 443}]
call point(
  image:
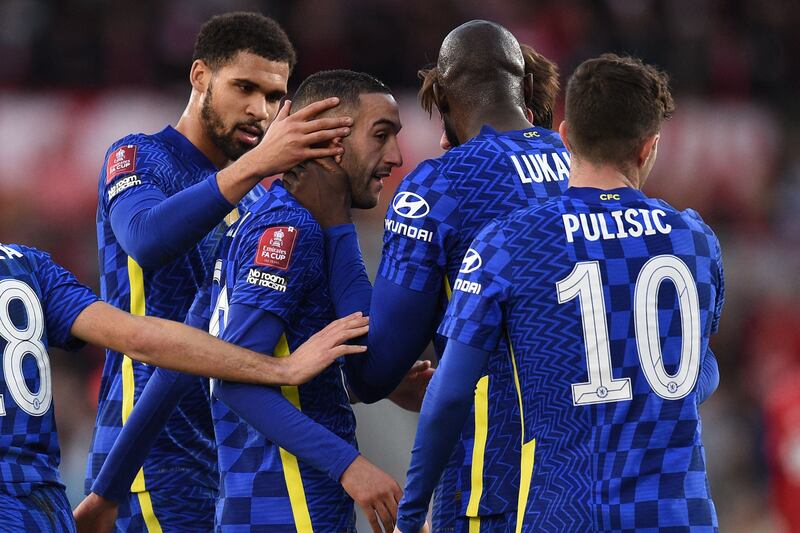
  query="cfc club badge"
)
[{"x": 275, "y": 247}]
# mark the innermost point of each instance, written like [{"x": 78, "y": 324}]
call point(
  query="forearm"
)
[
  {"x": 283, "y": 424},
  {"x": 154, "y": 229},
  {"x": 401, "y": 326},
  {"x": 185, "y": 349},
  {"x": 236, "y": 180},
  {"x": 175, "y": 346},
  {"x": 401, "y": 320},
  {"x": 161, "y": 395}
]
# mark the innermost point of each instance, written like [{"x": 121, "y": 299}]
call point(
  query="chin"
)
[{"x": 365, "y": 203}]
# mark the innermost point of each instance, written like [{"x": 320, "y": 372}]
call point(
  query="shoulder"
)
[
  {"x": 136, "y": 144},
  {"x": 135, "y": 152},
  {"x": 287, "y": 229},
  {"x": 29, "y": 256},
  {"x": 425, "y": 176}
]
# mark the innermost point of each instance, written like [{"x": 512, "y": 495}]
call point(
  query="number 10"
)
[{"x": 585, "y": 283}]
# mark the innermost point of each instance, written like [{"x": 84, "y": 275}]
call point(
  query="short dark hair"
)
[
  {"x": 347, "y": 85},
  {"x": 613, "y": 103},
  {"x": 224, "y": 36}
]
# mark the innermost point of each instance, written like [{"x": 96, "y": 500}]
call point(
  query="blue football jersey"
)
[
  {"x": 607, "y": 300},
  {"x": 436, "y": 212},
  {"x": 273, "y": 260},
  {"x": 39, "y": 301},
  {"x": 165, "y": 163}
]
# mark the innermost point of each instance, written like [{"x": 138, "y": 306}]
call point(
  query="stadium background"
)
[{"x": 78, "y": 74}]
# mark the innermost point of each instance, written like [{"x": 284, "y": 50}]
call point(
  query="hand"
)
[
  {"x": 292, "y": 139},
  {"x": 324, "y": 347},
  {"x": 322, "y": 187},
  {"x": 411, "y": 391},
  {"x": 374, "y": 491},
  {"x": 95, "y": 514}
]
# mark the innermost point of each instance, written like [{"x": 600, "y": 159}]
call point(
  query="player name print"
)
[
  {"x": 615, "y": 224},
  {"x": 122, "y": 160},
  {"x": 541, "y": 167},
  {"x": 275, "y": 247}
]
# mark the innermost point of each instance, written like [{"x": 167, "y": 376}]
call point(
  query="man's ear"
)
[
  {"x": 562, "y": 130},
  {"x": 648, "y": 151},
  {"x": 200, "y": 75},
  {"x": 527, "y": 89}
]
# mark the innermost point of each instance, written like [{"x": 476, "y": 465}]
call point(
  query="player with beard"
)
[
  {"x": 163, "y": 200},
  {"x": 495, "y": 99},
  {"x": 269, "y": 290}
]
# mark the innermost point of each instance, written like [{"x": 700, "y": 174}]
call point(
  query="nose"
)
[
  {"x": 257, "y": 108},
  {"x": 393, "y": 157}
]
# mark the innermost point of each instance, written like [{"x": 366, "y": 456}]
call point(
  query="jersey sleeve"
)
[
  {"x": 278, "y": 259},
  {"x": 133, "y": 165},
  {"x": 480, "y": 292},
  {"x": 420, "y": 223},
  {"x": 63, "y": 299}
]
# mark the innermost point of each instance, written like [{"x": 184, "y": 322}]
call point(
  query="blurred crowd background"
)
[{"x": 78, "y": 74}]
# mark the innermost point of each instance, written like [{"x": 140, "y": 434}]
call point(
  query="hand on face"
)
[
  {"x": 322, "y": 187},
  {"x": 292, "y": 139}
]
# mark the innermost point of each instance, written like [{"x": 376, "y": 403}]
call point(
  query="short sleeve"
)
[
  {"x": 63, "y": 299},
  {"x": 132, "y": 166},
  {"x": 278, "y": 260},
  {"x": 420, "y": 221},
  {"x": 480, "y": 293}
]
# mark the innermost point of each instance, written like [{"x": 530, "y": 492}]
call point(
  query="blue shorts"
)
[
  {"x": 45, "y": 509},
  {"x": 188, "y": 509}
]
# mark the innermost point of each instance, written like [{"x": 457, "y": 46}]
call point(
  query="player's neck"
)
[
  {"x": 586, "y": 174},
  {"x": 500, "y": 119},
  {"x": 192, "y": 128}
]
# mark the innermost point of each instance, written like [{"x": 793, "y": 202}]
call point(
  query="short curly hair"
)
[
  {"x": 613, "y": 103},
  {"x": 224, "y": 36}
]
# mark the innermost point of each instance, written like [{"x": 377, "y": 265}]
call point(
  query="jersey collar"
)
[
  {"x": 590, "y": 195},
  {"x": 523, "y": 135},
  {"x": 176, "y": 139}
]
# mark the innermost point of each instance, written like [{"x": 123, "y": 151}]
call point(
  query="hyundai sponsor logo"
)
[
  {"x": 471, "y": 263},
  {"x": 410, "y": 205}
]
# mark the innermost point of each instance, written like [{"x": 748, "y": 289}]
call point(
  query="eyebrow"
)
[
  {"x": 255, "y": 84},
  {"x": 396, "y": 126}
]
